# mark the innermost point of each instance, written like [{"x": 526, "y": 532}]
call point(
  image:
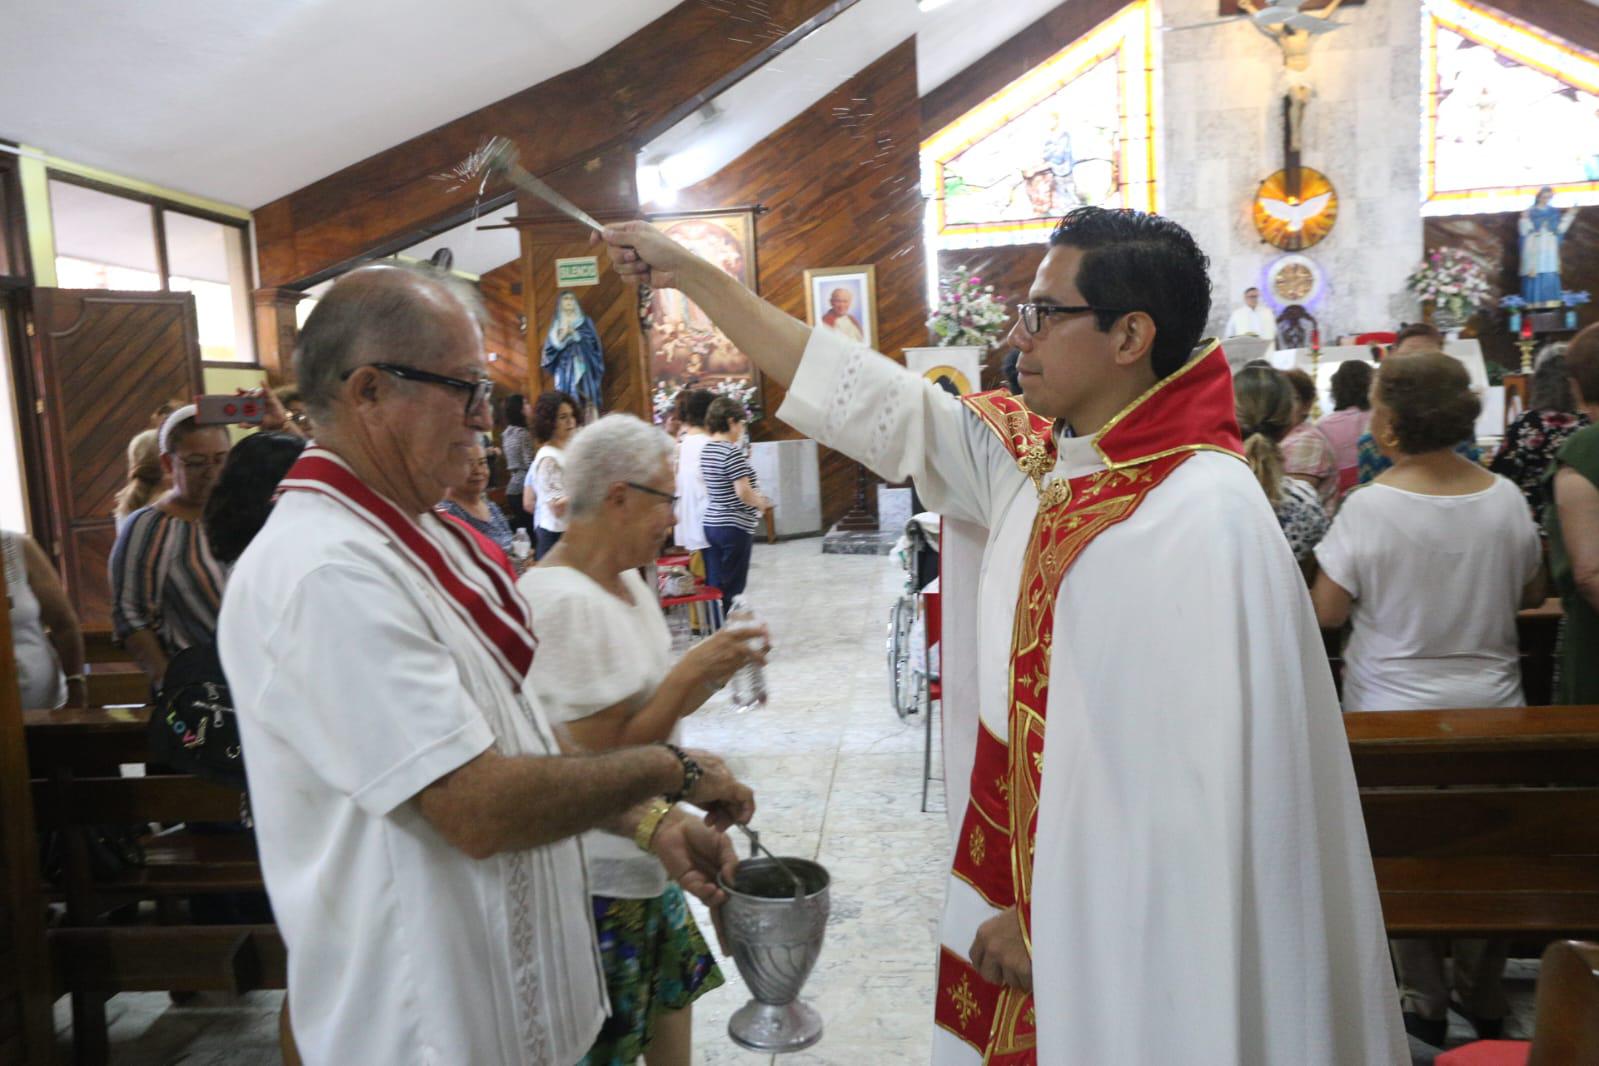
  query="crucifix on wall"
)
[{"x": 1296, "y": 206}]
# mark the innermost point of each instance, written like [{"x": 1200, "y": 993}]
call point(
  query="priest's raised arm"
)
[{"x": 843, "y": 394}]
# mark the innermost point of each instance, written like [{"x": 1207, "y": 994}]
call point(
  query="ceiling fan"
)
[{"x": 1279, "y": 18}]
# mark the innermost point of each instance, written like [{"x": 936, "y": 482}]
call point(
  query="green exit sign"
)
[{"x": 570, "y": 273}]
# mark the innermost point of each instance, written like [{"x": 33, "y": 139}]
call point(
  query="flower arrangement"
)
[
  {"x": 1454, "y": 281},
  {"x": 744, "y": 392},
  {"x": 1573, "y": 299},
  {"x": 968, "y": 312},
  {"x": 1512, "y": 303}
]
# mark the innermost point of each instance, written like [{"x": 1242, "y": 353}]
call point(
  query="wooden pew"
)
[
  {"x": 70, "y": 751},
  {"x": 1482, "y": 822},
  {"x": 1566, "y": 1032}
]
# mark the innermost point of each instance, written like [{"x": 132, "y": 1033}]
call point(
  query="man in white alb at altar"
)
[
  {"x": 416, "y": 818},
  {"x": 1175, "y": 870},
  {"x": 1253, "y": 319}
]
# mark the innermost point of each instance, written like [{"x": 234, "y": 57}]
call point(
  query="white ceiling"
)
[{"x": 245, "y": 102}]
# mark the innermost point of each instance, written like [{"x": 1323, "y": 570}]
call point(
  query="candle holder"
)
[{"x": 1526, "y": 344}]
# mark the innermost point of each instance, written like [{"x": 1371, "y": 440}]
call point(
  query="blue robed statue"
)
[
  {"x": 572, "y": 353},
  {"x": 1542, "y": 226}
]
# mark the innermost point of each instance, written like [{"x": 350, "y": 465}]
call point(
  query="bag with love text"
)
[{"x": 193, "y": 728}]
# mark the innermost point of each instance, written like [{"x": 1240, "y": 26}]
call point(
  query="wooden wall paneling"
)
[
  {"x": 1572, "y": 19},
  {"x": 618, "y": 97},
  {"x": 27, "y": 1030},
  {"x": 502, "y": 335},
  {"x": 841, "y": 185},
  {"x": 104, "y": 361},
  {"x": 1493, "y": 238}
]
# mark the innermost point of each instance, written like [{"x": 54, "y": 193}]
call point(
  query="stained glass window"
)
[
  {"x": 1508, "y": 109},
  {"x": 1077, "y": 129}
]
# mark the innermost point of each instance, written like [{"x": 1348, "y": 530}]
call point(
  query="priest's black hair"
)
[{"x": 1134, "y": 261}]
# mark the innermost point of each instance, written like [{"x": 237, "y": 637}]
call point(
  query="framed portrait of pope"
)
[{"x": 844, "y": 299}]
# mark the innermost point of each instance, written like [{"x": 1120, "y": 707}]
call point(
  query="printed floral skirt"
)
[{"x": 655, "y": 960}]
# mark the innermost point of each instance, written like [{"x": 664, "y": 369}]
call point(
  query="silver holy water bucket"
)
[{"x": 775, "y": 939}]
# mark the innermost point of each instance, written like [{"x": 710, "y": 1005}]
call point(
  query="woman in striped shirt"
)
[
  {"x": 735, "y": 501},
  {"x": 166, "y": 587}
]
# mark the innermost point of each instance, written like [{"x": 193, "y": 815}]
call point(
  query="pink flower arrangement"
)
[{"x": 1454, "y": 281}]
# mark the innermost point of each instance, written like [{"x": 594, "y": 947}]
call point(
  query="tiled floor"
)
[{"x": 838, "y": 779}]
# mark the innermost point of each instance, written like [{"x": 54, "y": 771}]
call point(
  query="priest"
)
[{"x": 1161, "y": 855}]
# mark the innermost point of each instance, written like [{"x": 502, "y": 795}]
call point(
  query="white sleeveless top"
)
[{"x": 38, "y": 669}]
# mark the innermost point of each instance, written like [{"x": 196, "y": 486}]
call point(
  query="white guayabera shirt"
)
[{"x": 358, "y": 685}]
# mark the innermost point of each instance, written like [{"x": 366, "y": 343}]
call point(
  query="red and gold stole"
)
[{"x": 1189, "y": 411}]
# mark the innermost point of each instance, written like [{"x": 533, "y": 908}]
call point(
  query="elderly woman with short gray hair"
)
[{"x": 604, "y": 670}]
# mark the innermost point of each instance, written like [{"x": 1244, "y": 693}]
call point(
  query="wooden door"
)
[{"x": 104, "y": 361}]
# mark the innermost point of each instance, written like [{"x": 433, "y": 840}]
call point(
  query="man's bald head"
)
[{"x": 393, "y": 313}]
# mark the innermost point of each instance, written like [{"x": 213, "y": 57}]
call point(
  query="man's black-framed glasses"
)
[
  {"x": 478, "y": 391},
  {"x": 653, "y": 492},
  {"x": 1034, "y": 315}
]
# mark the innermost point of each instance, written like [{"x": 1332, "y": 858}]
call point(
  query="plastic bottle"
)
[
  {"x": 521, "y": 548},
  {"x": 747, "y": 690}
]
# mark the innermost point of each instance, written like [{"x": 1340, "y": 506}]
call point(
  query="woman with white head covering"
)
[{"x": 166, "y": 587}]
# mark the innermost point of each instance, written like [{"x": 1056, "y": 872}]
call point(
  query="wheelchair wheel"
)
[{"x": 901, "y": 674}]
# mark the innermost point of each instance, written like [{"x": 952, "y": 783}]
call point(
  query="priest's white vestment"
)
[{"x": 1184, "y": 840}]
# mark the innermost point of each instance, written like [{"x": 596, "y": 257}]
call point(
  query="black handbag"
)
[{"x": 193, "y": 728}]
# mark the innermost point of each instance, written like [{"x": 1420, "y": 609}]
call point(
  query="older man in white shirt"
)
[
  {"x": 1253, "y": 319},
  {"x": 416, "y": 818}
]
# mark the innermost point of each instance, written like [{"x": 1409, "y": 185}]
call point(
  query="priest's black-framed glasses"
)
[
  {"x": 1034, "y": 315},
  {"x": 478, "y": 391}
]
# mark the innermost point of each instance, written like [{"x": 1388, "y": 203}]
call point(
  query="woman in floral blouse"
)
[{"x": 1532, "y": 440}]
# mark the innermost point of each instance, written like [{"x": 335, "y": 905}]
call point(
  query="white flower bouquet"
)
[
  {"x": 1454, "y": 281},
  {"x": 968, "y": 312}
]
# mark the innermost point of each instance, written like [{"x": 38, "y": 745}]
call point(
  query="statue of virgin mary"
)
[
  {"x": 1542, "y": 226},
  {"x": 572, "y": 353}
]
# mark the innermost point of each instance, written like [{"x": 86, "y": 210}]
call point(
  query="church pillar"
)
[{"x": 275, "y": 331}]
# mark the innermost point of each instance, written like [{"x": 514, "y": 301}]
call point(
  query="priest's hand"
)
[
  {"x": 1000, "y": 955},
  {"x": 694, "y": 855},
  {"x": 641, "y": 253}
]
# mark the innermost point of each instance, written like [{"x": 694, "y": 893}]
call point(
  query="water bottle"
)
[
  {"x": 521, "y": 548},
  {"x": 747, "y": 690}
]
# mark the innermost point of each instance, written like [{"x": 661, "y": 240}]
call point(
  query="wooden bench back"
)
[
  {"x": 1482, "y": 822},
  {"x": 1567, "y": 1030},
  {"x": 88, "y": 801},
  {"x": 1536, "y": 746}
]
